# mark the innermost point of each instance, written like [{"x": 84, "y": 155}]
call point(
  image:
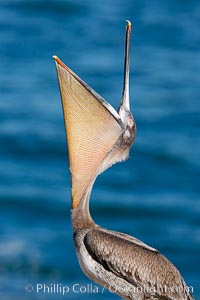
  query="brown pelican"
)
[{"x": 98, "y": 137}]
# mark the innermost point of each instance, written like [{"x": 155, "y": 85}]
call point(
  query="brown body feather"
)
[{"x": 144, "y": 273}]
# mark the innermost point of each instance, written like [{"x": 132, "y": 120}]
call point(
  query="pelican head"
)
[
  {"x": 98, "y": 136},
  {"x": 124, "y": 109}
]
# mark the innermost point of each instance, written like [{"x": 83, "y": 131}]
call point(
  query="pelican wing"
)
[
  {"x": 92, "y": 126},
  {"x": 138, "y": 264}
]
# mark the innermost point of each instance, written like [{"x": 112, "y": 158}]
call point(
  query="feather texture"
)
[{"x": 136, "y": 263}]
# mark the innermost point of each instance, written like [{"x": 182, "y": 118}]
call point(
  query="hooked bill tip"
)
[{"x": 128, "y": 26}]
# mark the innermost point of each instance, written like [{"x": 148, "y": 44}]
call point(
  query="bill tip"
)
[
  {"x": 128, "y": 24},
  {"x": 55, "y": 57}
]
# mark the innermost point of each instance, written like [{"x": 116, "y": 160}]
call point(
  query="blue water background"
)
[{"x": 155, "y": 194}]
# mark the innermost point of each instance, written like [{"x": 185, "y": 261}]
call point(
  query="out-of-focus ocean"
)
[{"x": 155, "y": 194}]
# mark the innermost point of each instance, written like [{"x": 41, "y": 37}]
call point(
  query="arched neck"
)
[{"x": 81, "y": 217}]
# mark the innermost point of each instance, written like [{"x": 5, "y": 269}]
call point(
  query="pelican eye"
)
[{"x": 130, "y": 122}]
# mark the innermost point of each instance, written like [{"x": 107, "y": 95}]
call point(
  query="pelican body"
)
[{"x": 98, "y": 137}]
